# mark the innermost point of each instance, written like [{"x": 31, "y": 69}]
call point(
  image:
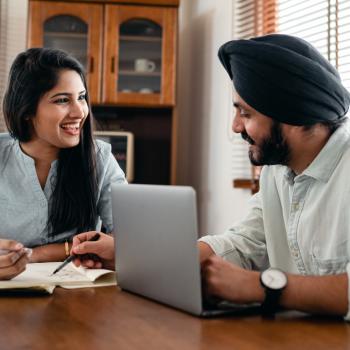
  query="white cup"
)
[
  {"x": 144, "y": 65},
  {"x": 146, "y": 91}
]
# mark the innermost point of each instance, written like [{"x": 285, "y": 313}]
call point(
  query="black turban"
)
[{"x": 285, "y": 78}]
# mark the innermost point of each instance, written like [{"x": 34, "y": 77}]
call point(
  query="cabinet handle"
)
[
  {"x": 112, "y": 64},
  {"x": 91, "y": 64}
]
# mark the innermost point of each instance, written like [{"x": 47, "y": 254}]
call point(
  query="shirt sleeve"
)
[
  {"x": 243, "y": 244},
  {"x": 113, "y": 174}
]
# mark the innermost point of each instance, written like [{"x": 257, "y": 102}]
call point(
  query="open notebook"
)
[{"x": 38, "y": 277}]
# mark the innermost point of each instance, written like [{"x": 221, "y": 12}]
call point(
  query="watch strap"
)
[{"x": 271, "y": 302}]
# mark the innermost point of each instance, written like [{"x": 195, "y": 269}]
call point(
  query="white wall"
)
[{"x": 204, "y": 110}]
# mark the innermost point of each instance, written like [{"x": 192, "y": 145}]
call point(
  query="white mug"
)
[
  {"x": 146, "y": 91},
  {"x": 144, "y": 65}
]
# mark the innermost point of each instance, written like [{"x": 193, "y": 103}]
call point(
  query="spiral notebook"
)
[{"x": 38, "y": 278}]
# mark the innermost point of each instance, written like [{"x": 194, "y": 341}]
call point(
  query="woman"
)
[{"x": 54, "y": 178}]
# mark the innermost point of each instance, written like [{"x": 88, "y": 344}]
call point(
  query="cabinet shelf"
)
[
  {"x": 64, "y": 35},
  {"x": 135, "y": 73},
  {"x": 140, "y": 38}
]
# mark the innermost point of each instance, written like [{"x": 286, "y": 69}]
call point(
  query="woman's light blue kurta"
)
[{"x": 24, "y": 205}]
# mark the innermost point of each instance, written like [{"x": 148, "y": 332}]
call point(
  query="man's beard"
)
[{"x": 273, "y": 150}]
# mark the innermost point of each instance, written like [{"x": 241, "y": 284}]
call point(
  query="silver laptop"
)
[{"x": 156, "y": 247}]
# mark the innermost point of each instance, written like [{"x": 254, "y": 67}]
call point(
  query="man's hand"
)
[
  {"x": 103, "y": 248},
  {"x": 14, "y": 262},
  {"x": 204, "y": 251},
  {"x": 230, "y": 282},
  {"x": 316, "y": 294}
]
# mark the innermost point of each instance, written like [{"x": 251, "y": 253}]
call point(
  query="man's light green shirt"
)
[{"x": 298, "y": 223}]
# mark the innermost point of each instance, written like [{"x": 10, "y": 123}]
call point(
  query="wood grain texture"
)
[
  {"x": 251, "y": 184},
  {"x": 91, "y": 14},
  {"x": 174, "y": 146},
  {"x": 106, "y": 318},
  {"x": 115, "y": 15},
  {"x": 175, "y": 3}
]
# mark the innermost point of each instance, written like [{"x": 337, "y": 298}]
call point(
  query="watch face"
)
[{"x": 274, "y": 279}]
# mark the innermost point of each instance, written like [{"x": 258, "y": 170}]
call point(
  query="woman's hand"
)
[
  {"x": 13, "y": 259},
  {"x": 103, "y": 249}
]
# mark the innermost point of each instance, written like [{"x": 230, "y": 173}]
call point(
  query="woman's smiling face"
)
[{"x": 61, "y": 113}]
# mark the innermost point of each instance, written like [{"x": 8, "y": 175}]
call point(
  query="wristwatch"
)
[{"x": 274, "y": 281}]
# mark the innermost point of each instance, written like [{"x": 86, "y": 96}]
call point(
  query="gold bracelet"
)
[{"x": 66, "y": 248}]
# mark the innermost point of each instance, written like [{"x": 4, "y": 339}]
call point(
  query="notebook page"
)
[{"x": 41, "y": 274}]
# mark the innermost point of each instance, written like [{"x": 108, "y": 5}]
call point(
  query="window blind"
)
[
  {"x": 3, "y": 35},
  {"x": 13, "y": 29},
  {"x": 251, "y": 18},
  {"x": 343, "y": 40},
  {"x": 323, "y": 23},
  {"x": 254, "y": 17}
]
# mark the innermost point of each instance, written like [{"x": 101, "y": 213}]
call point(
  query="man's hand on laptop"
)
[
  {"x": 230, "y": 282},
  {"x": 103, "y": 248}
]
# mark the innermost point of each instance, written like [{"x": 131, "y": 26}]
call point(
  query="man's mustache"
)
[{"x": 247, "y": 138}]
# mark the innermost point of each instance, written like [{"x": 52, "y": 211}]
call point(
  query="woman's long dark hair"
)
[{"x": 74, "y": 199}]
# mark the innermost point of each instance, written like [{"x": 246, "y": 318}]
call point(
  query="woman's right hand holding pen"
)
[
  {"x": 103, "y": 248},
  {"x": 13, "y": 258}
]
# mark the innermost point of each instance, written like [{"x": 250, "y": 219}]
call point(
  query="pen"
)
[{"x": 72, "y": 257}]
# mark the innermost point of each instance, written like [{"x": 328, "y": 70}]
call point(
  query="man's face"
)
[{"x": 268, "y": 145}]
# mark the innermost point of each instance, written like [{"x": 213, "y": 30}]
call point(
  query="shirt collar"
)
[
  {"x": 324, "y": 164},
  {"x": 27, "y": 159},
  {"x": 289, "y": 175}
]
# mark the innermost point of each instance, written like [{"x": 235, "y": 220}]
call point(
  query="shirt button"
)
[
  {"x": 296, "y": 206},
  {"x": 295, "y": 253}
]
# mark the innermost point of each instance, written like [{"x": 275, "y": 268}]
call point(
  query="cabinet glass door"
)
[
  {"x": 68, "y": 33},
  {"x": 140, "y": 57},
  {"x": 73, "y": 27}
]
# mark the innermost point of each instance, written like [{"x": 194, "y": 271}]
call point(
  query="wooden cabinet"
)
[
  {"x": 138, "y": 44},
  {"x": 139, "y": 56},
  {"x": 76, "y": 28},
  {"x": 128, "y": 49}
]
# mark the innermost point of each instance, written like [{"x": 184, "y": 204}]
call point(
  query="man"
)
[
  {"x": 292, "y": 248},
  {"x": 290, "y": 107}
]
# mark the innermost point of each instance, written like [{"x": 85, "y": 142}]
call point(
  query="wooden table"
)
[{"x": 106, "y": 318}]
